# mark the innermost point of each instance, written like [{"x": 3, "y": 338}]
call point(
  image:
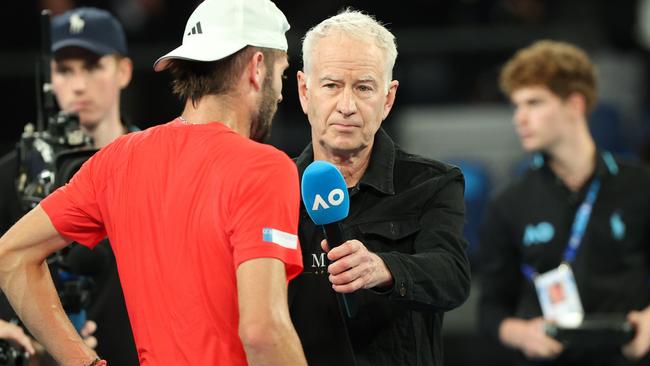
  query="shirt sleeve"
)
[
  {"x": 74, "y": 208},
  {"x": 264, "y": 213}
]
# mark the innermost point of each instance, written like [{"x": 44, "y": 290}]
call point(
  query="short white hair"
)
[{"x": 356, "y": 24}]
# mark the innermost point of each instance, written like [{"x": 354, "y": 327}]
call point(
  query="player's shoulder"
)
[{"x": 249, "y": 155}]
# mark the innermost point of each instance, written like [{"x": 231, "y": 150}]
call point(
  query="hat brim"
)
[
  {"x": 94, "y": 47},
  {"x": 192, "y": 52}
]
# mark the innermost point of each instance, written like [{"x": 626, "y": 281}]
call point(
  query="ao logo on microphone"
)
[
  {"x": 324, "y": 193},
  {"x": 334, "y": 198}
]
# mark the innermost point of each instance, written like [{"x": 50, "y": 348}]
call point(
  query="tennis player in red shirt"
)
[{"x": 201, "y": 216}]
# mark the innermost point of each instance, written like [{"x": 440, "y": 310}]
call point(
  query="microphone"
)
[{"x": 326, "y": 199}]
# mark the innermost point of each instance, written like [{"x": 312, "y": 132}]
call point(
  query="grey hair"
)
[{"x": 356, "y": 24}]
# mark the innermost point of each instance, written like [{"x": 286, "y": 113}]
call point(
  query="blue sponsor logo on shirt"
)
[
  {"x": 280, "y": 238},
  {"x": 617, "y": 225},
  {"x": 541, "y": 233}
]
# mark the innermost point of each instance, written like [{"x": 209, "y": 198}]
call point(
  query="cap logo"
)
[
  {"x": 195, "y": 29},
  {"x": 76, "y": 24}
]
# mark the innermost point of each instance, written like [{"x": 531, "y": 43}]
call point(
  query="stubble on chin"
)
[{"x": 260, "y": 129}]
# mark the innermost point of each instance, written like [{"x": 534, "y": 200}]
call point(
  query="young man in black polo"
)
[{"x": 578, "y": 216}]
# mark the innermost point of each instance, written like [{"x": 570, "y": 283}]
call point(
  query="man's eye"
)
[{"x": 93, "y": 66}]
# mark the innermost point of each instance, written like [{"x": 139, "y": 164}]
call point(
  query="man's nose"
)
[
  {"x": 79, "y": 81},
  {"x": 347, "y": 104}
]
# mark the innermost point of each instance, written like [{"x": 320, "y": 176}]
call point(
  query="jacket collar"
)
[{"x": 379, "y": 174}]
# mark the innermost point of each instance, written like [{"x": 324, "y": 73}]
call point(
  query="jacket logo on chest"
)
[
  {"x": 318, "y": 260},
  {"x": 540, "y": 233},
  {"x": 617, "y": 225},
  {"x": 319, "y": 263}
]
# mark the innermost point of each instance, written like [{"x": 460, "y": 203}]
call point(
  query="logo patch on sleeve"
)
[{"x": 280, "y": 238}]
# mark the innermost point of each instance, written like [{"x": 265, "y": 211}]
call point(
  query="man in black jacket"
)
[{"x": 405, "y": 259}]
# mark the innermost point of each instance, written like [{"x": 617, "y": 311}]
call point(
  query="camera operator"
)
[{"x": 89, "y": 71}]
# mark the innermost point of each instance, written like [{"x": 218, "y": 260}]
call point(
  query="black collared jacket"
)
[
  {"x": 530, "y": 222},
  {"x": 410, "y": 211}
]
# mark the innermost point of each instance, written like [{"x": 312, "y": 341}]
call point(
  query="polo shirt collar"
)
[{"x": 605, "y": 163}]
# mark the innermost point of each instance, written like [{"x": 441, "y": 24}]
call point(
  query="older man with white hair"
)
[{"x": 406, "y": 259}]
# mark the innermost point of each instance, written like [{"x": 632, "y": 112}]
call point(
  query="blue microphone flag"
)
[{"x": 325, "y": 193}]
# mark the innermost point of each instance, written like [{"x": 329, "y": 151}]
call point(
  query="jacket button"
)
[
  {"x": 402, "y": 289},
  {"x": 393, "y": 228}
]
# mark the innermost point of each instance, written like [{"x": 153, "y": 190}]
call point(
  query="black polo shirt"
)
[
  {"x": 530, "y": 222},
  {"x": 410, "y": 211}
]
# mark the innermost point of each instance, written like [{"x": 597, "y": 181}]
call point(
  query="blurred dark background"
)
[
  {"x": 449, "y": 55},
  {"x": 448, "y": 103}
]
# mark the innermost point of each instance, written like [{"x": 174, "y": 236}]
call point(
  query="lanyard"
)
[{"x": 577, "y": 229}]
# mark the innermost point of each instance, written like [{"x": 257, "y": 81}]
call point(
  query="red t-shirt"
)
[{"x": 183, "y": 206}]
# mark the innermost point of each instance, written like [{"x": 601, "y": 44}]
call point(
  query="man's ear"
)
[
  {"x": 390, "y": 97},
  {"x": 124, "y": 71},
  {"x": 578, "y": 103},
  {"x": 302, "y": 91},
  {"x": 256, "y": 71}
]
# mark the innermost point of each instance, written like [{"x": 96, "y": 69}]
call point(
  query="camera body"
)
[
  {"x": 43, "y": 154},
  {"x": 12, "y": 356}
]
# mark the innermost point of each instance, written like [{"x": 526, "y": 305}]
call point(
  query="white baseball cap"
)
[{"x": 219, "y": 28}]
